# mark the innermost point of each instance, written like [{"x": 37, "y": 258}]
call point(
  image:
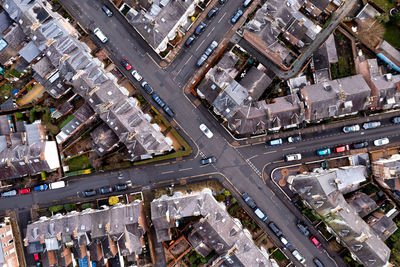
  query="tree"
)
[
  {"x": 113, "y": 200},
  {"x": 383, "y": 18},
  {"x": 395, "y": 19}
]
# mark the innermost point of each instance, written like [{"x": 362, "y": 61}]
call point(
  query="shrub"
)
[
  {"x": 86, "y": 206},
  {"x": 69, "y": 207},
  {"x": 113, "y": 200},
  {"x": 57, "y": 208}
]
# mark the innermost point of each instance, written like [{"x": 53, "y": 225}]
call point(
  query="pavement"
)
[{"x": 243, "y": 168}]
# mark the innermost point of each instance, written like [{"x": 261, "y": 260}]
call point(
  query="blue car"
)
[
  {"x": 42, "y": 187},
  {"x": 324, "y": 152},
  {"x": 158, "y": 100},
  {"x": 237, "y": 16}
]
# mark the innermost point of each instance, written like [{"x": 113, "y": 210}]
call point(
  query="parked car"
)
[
  {"x": 360, "y": 145},
  {"x": 236, "y": 16},
  {"x": 190, "y": 40},
  {"x": 324, "y": 152},
  {"x": 381, "y": 142},
  {"x": 107, "y": 11},
  {"x": 396, "y": 120},
  {"x": 340, "y": 149},
  {"x": 292, "y": 157},
  {"x": 9, "y": 193},
  {"x": 249, "y": 201},
  {"x": 57, "y": 185},
  {"x": 200, "y": 28},
  {"x": 24, "y": 191},
  {"x": 125, "y": 63},
  {"x": 284, "y": 241},
  {"x": 42, "y": 187},
  {"x": 208, "y": 160},
  {"x": 206, "y": 131},
  {"x": 318, "y": 263},
  {"x": 303, "y": 228},
  {"x": 315, "y": 241},
  {"x": 136, "y": 75},
  {"x": 211, "y": 48},
  {"x": 105, "y": 190},
  {"x": 294, "y": 138},
  {"x": 158, "y": 100},
  {"x": 275, "y": 142},
  {"x": 371, "y": 125},
  {"x": 99, "y": 34},
  {"x": 298, "y": 256},
  {"x": 263, "y": 217},
  {"x": 275, "y": 229},
  {"x": 212, "y": 12},
  {"x": 147, "y": 88},
  {"x": 351, "y": 128},
  {"x": 120, "y": 187},
  {"x": 246, "y": 3},
  {"x": 221, "y": 2},
  {"x": 89, "y": 193},
  {"x": 201, "y": 60},
  {"x": 169, "y": 111}
]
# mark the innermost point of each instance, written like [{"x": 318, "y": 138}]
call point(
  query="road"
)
[{"x": 239, "y": 165}]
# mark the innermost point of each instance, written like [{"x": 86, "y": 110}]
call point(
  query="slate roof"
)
[
  {"x": 320, "y": 191},
  {"x": 216, "y": 228},
  {"x": 29, "y": 52}
]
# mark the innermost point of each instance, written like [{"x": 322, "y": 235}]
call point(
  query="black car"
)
[
  {"x": 169, "y": 111},
  {"x": 221, "y": 2},
  {"x": 303, "y": 228},
  {"x": 147, "y": 88},
  {"x": 107, "y": 11},
  {"x": 317, "y": 262},
  {"x": 190, "y": 40},
  {"x": 89, "y": 193},
  {"x": 202, "y": 26},
  {"x": 275, "y": 229},
  {"x": 120, "y": 187},
  {"x": 105, "y": 190},
  {"x": 212, "y": 12},
  {"x": 208, "y": 160},
  {"x": 360, "y": 145},
  {"x": 158, "y": 100}
]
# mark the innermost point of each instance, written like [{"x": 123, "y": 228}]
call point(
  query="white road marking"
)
[
  {"x": 289, "y": 148},
  {"x": 167, "y": 172},
  {"x": 211, "y": 31},
  {"x": 199, "y": 45},
  {"x": 269, "y": 152},
  {"x": 181, "y": 170},
  {"x": 222, "y": 17},
  {"x": 252, "y": 157},
  {"x": 188, "y": 59}
]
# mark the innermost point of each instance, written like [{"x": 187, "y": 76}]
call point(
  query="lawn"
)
[
  {"x": 278, "y": 255},
  {"x": 68, "y": 119},
  {"x": 78, "y": 163},
  {"x": 385, "y": 4},
  {"x": 392, "y": 34}
]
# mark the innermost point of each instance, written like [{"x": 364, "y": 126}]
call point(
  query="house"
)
[
  {"x": 316, "y": 7},
  {"x": 323, "y": 192},
  {"x": 213, "y": 230},
  {"x": 387, "y": 171},
  {"x": 8, "y": 251},
  {"x": 160, "y": 21},
  {"x": 69, "y": 64},
  {"x": 337, "y": 98},
  {"x": 105, "y": 233}
]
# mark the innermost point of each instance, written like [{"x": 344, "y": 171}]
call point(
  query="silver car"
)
[{"x": 371, "y": 125}]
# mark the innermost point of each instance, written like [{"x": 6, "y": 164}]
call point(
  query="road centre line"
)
[
  {"x": 167, "y": 172},
  {"x": 199, "y": 45},
  {"x": 181, "y": 170},
  {"x": 222, "y": 17},
  {"x": 252, "y": 157},
  {"x": 211, "y": 31},
  {"x": 188, "y": 59},
  {"x": 289, "y": 148}
]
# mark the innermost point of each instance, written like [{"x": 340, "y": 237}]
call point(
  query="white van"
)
[
  {"x": 292, "y": 157},
  {"x": 246, "y": 3},
  {"x": 57, "y": 185},
  {"x": 99, "y": 34},
  {"x": 298, "y": 256}
]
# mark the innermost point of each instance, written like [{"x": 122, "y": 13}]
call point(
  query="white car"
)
[
  {"x": 206, "y": 131},
  {"x": 136, "y": 75},
  {"x": 381, "y": 142},
  {"x": 298, "y": 256},
  {"x": 292, "y": 157},
  {"x": 351, "y": 128}
]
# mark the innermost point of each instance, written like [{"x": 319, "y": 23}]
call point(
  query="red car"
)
[
  {"x": 24, "y": 191},
  {"x": 125, "y": 63},
  {"x": 340, "y": 149},
  {"x": 315, "y": 241}
]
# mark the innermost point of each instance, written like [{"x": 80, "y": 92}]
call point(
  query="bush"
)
[
  {"x": 57, "y": 208},
  {"x": 86, "y": 206},
  {"x": 69, "y": 207},
  {"x": 226, "y": 193},
  {"x": 220, "y": 198},
  {"x": 113, "y": 200}
]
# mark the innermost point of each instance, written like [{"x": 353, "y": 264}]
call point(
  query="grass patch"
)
[
  {"x": 65, "y": 122},
  {"x": 309, "y": 214},
  {"x": 5, "y": 90},
  {"x": 15, "y": 73},
  {"x": 387, "y": 5},
  {"x": 278, "y": 255},
  {"x": 79, "y": 163},
  {"x": 392, "y": 34}
]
